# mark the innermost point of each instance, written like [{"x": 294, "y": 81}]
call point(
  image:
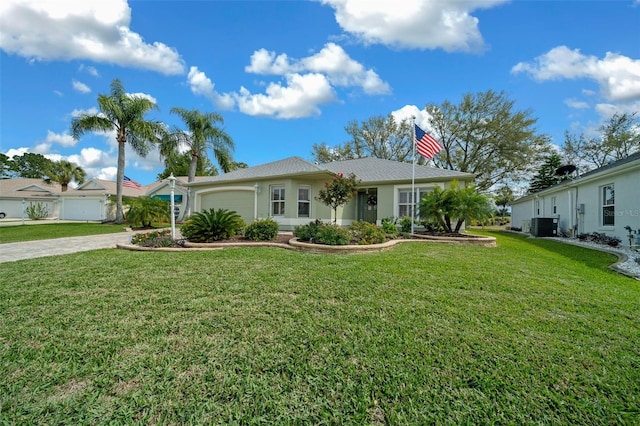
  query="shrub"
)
[
  {"x": 364, "y": 233},
  {"x": 600, "y": 238},
  {"x": 307, "y": 232},
  {"x": 333, "y": 235},
  {"x": 389, "y": 227},
  {"x": 145, "y": 210},
  {"x": 431, "y": 226},
  {"x": 405, "y": 224},
  {"x": 262, "y": 230},
  {"x": 37, "y": 211},
  {"x": 154, "y": 239},
  {"x": 212, "y": 225}
]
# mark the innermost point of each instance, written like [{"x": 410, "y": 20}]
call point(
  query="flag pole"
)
[{"x": 413, "y": 173}]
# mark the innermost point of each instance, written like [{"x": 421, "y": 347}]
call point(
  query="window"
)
[
  {"x": 608, "y": 205},
  {"x": 405, "y": 201},
  {"x": 277, "y": 201},
  {"x": 304, "y": 201},
  {"x": 536, "y": 206},
  {"x": 554, "y": 207}
]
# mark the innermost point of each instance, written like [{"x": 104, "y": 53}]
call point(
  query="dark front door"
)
[{"x": 368, "y": 205}]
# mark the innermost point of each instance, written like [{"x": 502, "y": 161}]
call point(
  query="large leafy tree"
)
[
  {"x": 30, "y": 165},
  {"x": 124, "y": 114},
  {"x": 617, "y": 138},
  {"x": 5, "y": 166},
  {"x": 203, "y": 133},
  {"x": 486, "y": 135},
  {"x": 64, "y": 172},
  {"x": 379, "y": 137}
]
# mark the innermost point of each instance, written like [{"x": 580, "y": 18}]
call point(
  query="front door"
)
[{"x": 368, "y": 205}]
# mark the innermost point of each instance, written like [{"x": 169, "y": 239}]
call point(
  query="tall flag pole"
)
[
  {"x": 413, "y": 177},
  {"x": 428, "y": 147}
]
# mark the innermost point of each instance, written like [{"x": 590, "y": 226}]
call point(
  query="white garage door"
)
[{"x": 82, "y": 209}]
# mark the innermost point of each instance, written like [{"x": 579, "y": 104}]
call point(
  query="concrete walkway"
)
[{"x": 11, "y": 252}]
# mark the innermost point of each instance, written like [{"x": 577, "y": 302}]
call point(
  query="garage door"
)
[
  {"x": 239, "y": 201},
  {"x": 81, "y": 209}
]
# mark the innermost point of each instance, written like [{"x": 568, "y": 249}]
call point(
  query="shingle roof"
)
[
  {"x": 365, "y": 169},
  {"x": 28, "y": 187},
  {"x": 380, "y": 170}
]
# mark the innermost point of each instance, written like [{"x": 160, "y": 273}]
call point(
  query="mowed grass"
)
[
  {"x": 530, "y": 332},
  {"x": 15, "y": 233}
]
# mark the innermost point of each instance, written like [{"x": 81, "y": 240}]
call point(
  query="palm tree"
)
[
  {"x": 202, "y": 134},
  {"x": 124, "y": 114},
  {"x": 63, "y": 172}
]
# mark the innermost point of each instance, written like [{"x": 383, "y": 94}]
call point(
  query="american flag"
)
[
  {"x": 426, "y": 144},
  {"x": 130, "y": 183}
]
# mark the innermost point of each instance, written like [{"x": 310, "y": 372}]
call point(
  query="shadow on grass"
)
[{"x": 588, "y": 256}]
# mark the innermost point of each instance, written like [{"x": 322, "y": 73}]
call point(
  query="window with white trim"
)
[
  {"x": 304, "y": 201},
  {"x": 536, "y": 205},
  {"x": 277, "y": 200},
  {"x": 405, "y": 201},
  {"x": 554, "y": 207},
  {"x": 608, "y": 205}
]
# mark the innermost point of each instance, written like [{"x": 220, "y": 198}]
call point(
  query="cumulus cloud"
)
[
  {"x": 300, "y": 97},
  {"x": 332, "y": 61},
  {"x": 202, "y": 85},
  {"x": 618, "y": 76},
  {"x": 412, "y": 112},
  {"x": 63, "y": 139},
  {"x": 80, "y": 87},
  {"x": 94, "y": 30},
  {"x": 420, "y": 24}
]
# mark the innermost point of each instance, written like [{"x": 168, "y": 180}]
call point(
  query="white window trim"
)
[
  {"x": 421, "y": 188},
  {"x": 308, "y": 188},
  {"x": 272, "y": 201},
  {"x": 603, "y": 205}
]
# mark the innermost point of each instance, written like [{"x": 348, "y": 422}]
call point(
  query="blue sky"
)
[{"x": 288, "y": 74}]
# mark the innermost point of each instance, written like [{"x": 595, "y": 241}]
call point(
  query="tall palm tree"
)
[
  {"x": 63, "y": 172},
  {"x": 124, "y": 114},
  {"x": 202, "y": 134}
]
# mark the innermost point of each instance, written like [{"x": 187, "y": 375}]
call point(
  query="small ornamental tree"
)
[
  {"x": 338, "y": 192},
  {"x": 451, "y": 207}
]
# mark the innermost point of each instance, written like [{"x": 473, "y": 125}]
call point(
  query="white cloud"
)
[
  {"x": 144, "y": 96},
  {"x": 618, "y": 76},
  {"x": 16, "y": 152},
  {"x": 575, "y": 104},
  {"x": 411, "y": 112},
  {"x": 201, "y": 85},
  {"x": 64, "y": 139},
  {"x": 299, "y": 98},
  {"x": 414, "y": 23},
  {"x": 58, "y": 93},
  {"x": 94, "y": 30},
  {"x": 89, "y": 70},
  {"x": 332, "y": 61},
  {"x": 80, "y": 87}
]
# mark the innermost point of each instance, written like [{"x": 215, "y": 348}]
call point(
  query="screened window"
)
[
  {"x": 608, "y": 205},
  {"x": 277, "y": 201},
  {"x": 304, "y": 201}
]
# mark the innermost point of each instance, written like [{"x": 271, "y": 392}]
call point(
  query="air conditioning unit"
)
[{"x": 544, "y": 227}]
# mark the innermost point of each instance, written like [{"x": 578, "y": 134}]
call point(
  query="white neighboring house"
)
[
  {"x": 92, "y": 201},
  {"x": 604, "y": 200}
]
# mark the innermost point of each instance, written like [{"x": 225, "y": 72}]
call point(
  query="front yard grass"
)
[
  {"x": 15, "y": 233},
  {"x": 530, "y": 332}
]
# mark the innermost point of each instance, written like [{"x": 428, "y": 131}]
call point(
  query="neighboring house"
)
[
  {"x": 286, "y": 190},
  {"x": 92, "y": 201},
  {"x": 603, "y": 200}
]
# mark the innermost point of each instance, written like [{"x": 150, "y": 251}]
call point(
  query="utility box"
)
[{"x": 544, "y": 227}]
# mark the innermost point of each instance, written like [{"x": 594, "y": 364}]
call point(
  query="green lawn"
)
[
  {"x": 530, "y": 332},
  {"x": 10, "y": 234}
]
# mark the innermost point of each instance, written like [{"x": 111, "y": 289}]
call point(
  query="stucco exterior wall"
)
[{"x": 579, "y": 203}]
